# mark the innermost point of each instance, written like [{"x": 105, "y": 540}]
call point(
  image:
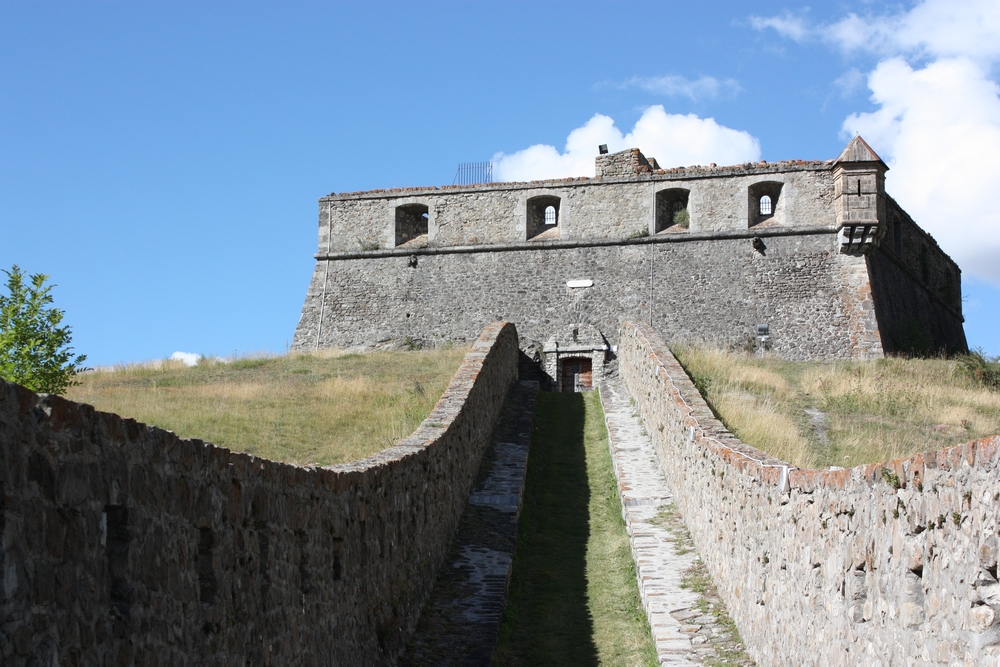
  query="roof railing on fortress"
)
[{"x": 693, "y": 171}]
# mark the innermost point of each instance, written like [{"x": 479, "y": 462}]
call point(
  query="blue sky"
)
[{"x": 162, "y": 161}]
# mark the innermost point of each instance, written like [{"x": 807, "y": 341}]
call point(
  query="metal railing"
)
[{"x": 474, "y": 173}]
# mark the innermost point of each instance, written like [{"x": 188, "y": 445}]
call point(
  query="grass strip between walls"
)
[{"x": 574, "y": 598}]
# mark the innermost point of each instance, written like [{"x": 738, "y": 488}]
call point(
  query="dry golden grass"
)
[
  {"x": 816, "y": 414},
  {"x": 304, "y": 408}
]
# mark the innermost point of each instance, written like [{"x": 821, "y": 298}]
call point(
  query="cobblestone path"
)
[
  {"x": 460, "y": 622},
  {"x": 687, "y": 617}
]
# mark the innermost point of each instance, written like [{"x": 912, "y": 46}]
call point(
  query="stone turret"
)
[{"x": 859, "y": 190}]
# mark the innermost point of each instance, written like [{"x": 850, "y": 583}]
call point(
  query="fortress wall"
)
[
  {"x": 916, "y": 317},
  {"x": 855, "y": 567},
  {"x": 589, "y": 208},
  {"x": 918, "y": 289},
  {"x": 816, "y": 300},
  {"x": 124, "y": 544}
]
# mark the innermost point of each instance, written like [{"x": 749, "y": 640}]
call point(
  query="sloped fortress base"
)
[
  {"x": 879, "y": 565},
  {"x": 124, "y": 544}
]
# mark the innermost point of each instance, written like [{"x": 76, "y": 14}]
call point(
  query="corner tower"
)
[{"x": 859, "y": 191}]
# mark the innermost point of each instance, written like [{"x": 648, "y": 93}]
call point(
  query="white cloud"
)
[
  {"x": 188, "y": 358},
  {"x": 788, "y": 25},
  {"x": 850, "y": 82},
  {"x": 934, "y": 28},
  {"x": 938, "y": 119},
  {"x": 939, "y": 128},
  {"x": 674, "y": 85},
  {"x": 673, "y": 139}
]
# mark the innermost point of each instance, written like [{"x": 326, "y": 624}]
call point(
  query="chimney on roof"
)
[{"x": 630, "y": 162}]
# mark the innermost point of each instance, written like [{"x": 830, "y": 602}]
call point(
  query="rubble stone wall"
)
[
  {"x": 708, "y": 288},
  {"x": 917, "y": 289},
  {"x": 878, "y": 565},
  {"x": 124, "y": 544}
]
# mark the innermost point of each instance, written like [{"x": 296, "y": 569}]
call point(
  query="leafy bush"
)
[
  {"x": 34, "y": 349},
  {"x": 981, "y": 368},
  {"x": 682, "y": 218}
]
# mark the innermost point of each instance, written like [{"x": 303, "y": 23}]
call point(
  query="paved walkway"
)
[
  {"x": 689, "y": 627},
  {"x": 460, "y": 623}
]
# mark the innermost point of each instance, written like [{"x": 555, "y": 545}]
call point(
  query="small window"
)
[
  {"x": 672, "y": 210},
  {"x": 550, "y": 215},
  {"x": 411, "y": 223},
  {"x": 765, "y": 205},
  {"x": 542, "y": 217}
]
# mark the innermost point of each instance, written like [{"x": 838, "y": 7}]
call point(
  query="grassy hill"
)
[
  {"x": 309, "y": 409},
  {"x": 816, "y": 414}
]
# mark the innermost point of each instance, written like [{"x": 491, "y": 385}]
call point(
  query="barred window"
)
[
  {"x": 765, "y": 205},
  {"x": 550, "y": 215}
]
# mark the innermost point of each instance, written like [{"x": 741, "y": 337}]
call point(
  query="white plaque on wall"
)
[{"x": 580, "y": 283}]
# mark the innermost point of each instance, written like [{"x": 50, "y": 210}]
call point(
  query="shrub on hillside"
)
[
  {"x": 981, "y": 368},
  {"x": 34, "y": 349}
]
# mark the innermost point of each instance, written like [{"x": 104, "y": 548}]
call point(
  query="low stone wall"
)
[
  {"x": 885, "y": 564},
  {"x": 124, "y": 544}
]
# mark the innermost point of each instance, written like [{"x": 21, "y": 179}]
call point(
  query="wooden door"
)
[{"x": 576, "y": 374}]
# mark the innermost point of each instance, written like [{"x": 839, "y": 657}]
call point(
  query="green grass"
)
[
  {"x": 574, "y": 598},
  {"x": 816, "y": 414},
  {"x": 301, "y": 408}
]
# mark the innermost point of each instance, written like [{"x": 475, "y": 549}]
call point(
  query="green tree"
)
[{"x": 34, "y": 349}]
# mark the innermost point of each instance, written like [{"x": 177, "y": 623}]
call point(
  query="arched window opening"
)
[
  {"x": 765, "y": 205},
  {"x": 550, "y": 215},
  {"x": 542, "y": 217},
  {"x": 672, "y": 210},
  {"x": 412, "y": 224}
]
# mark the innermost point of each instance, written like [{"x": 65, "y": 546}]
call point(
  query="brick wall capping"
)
[
  {"x": 713, "y": 436},
  {"x": 63, "y": 414},
  {"x": 674, "y": 173}
]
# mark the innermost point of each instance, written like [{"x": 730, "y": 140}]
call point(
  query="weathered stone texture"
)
[
  {"x": 124, "y": 544},
  {"x": 816, "y": 300},
  {"x": 603, "y": 208},
  {"x": 829, "y": 262},
  {"x": 886, "y": 564}
]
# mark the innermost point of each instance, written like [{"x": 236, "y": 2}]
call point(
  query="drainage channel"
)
[{"x": 461, "y": 619}]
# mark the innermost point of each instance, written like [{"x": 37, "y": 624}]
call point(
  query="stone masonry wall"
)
[
  {"x": 917, "y": 290},
  {"x": 879, "y": 565},
  {"x": 709, "y": 288},
  {"x": 598, "y": 208},
  {"x": 123, "y": 544}
]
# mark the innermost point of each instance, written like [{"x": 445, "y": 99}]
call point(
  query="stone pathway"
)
[
  {"x": 460, "y": 622},
  {"x": 688, "y": 619}
]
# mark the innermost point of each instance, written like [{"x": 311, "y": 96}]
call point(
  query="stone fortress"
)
[
  {"x": 816, "y": 250},
  {"x": 123, "y": 544}
]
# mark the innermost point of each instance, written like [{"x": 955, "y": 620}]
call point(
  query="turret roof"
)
[{"x": 858, "y": 150}]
